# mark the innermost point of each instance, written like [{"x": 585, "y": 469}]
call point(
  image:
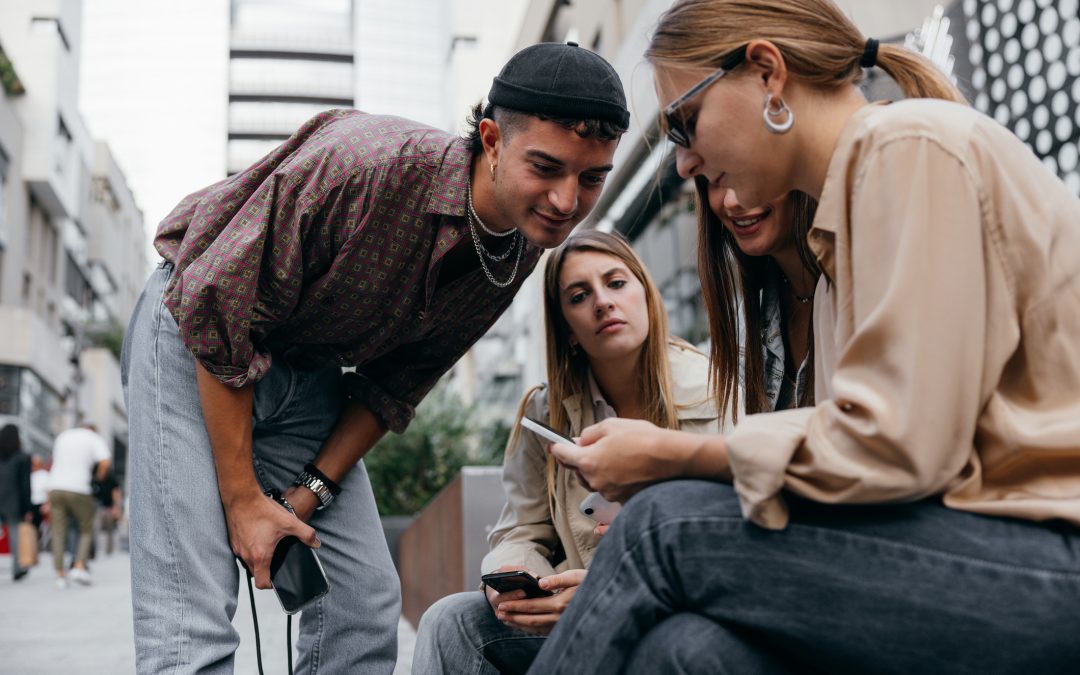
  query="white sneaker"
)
[
  {"x": 61, "y": 582},
  {"x": 80, "y": 576}
]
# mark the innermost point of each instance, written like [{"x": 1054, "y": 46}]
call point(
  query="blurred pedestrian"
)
[
  {"x": 109, "y": 499},
  {"x": 76, "y": 452},
  {"x": 14, "y": 492},
  {"x": 39, "y": 490}
]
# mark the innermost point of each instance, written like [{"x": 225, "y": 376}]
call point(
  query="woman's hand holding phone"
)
[
  {"x": 620, "y": 457},
  {"x": 539, "y": 615}
]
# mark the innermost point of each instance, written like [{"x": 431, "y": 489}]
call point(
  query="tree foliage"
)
[{"x": 408, "y": 469}]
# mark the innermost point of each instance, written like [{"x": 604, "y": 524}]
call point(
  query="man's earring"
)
[
  {"x": 770, "y": 115},
  {"x": 491, "y": 165}
]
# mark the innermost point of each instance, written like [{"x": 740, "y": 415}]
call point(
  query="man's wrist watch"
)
[{"x": 316, "y": 485}]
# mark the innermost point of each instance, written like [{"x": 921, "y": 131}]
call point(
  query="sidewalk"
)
[{"x": 87, "y": 630}]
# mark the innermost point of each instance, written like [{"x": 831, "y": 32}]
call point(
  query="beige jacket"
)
[
  {"x": 948, "y": 343},
  {"x": 532, "y": 526}
]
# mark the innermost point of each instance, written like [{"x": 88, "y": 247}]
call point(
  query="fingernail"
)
[{"x": 318, "y": 543}]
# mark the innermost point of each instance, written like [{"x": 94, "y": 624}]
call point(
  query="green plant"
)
[
  {"x": 408, "y": 469},
  {"x": 8, "y": 78},
  {"x": 112, "y": 339}
]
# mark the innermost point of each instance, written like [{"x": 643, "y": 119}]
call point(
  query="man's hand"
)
[
  {"x": 255, "y": 528},
  {"x": 538, "y": 615}
]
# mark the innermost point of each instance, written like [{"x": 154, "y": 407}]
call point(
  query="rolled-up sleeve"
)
[
  {"x": 244, "y": 280},
  {"x": 911, "y": 312},
  {"x": 239, "y": 251}
]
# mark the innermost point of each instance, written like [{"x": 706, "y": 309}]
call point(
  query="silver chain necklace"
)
[
  {"x": 485, "y": 228},
  {"x": 483, "y": 253},
  {"x": 473, "y": 218}
]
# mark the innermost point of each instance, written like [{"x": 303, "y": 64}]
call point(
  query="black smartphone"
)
[
  {"x": 504, "y": 582},
  {"x": 297, "y": 575}
]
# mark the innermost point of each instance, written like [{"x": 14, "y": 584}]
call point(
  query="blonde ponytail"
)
[
  {"x": 821, "y": 46},
  {"x": 916, "y": 76}
]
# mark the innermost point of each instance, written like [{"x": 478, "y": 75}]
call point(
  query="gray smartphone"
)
[{"x": 297, "y": 575}]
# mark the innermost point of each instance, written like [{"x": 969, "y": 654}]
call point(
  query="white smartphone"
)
[
  {"x": 599, "y": 509},
  {"x": 545, "y": 431}
]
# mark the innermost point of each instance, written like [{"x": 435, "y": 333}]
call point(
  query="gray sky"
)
[{"x": 154, "y": 86}]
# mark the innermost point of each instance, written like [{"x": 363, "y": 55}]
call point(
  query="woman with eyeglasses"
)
[{"x": 924, "y": 515}]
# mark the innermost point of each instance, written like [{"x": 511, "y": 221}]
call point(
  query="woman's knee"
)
[
  {"x": 678, "y": 499},
  {"x": 454, "y": 615},
  {"x": 689, "y": 644}
]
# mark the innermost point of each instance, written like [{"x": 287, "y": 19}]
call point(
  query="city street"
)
[{"x": 87, "y": 630}]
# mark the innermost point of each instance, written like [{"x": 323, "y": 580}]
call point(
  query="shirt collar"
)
[
  {"x": 594, "y": 390},
  {"x": 448, "y": 197},
  {"x": 822, "y": 233}
]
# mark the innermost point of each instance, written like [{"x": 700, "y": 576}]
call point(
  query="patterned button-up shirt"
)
[{"x": 330, "y": 247}]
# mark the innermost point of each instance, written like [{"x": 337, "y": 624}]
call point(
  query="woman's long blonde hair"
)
[
  {"x": 820, "y": 44},
  {"x": 567, "y": 369}
]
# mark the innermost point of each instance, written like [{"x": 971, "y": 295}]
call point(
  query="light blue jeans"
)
[
  {"x": 184, "y": 575},
  {"x": 682, "y": 584},
  {"x": 460, "y": 634}
]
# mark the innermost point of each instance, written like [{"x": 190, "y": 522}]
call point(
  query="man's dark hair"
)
[{"x": 511, "y": 121}]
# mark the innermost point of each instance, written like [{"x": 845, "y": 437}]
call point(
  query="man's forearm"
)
[
  {"x": 357, "y": 431},
  {"x": 227, "y": 413},
  {"x": 102, "y": 469}
]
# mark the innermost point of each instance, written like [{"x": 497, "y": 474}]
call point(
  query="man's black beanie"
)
[{"x": 559, "y": 80}]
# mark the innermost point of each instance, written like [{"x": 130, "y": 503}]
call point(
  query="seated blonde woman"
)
[{"x": 609, "y": 354}]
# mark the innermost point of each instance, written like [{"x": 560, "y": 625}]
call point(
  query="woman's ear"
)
[{"x": 769, "y": 63}]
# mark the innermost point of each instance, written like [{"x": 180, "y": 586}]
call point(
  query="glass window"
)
[
  {"x": 9, "y": 390},
  {"x": 41, "y": 404}
]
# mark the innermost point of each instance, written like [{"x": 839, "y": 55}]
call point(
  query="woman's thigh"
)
[{"x": 847, "y": 589}]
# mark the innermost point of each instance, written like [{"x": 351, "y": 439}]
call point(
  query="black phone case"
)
[
  {"x": 297, "y": 575},
  {"x": 503, "y": 582}
]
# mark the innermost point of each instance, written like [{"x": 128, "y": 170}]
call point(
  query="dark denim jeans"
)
[{"x": 682, "y": 584}]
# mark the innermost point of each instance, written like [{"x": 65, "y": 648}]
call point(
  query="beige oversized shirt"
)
[
  {"x": 947, "y": 331},
  {"x": 533, "y": 524}
]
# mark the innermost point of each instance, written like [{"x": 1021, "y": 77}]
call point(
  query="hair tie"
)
[{"x": 869, "y": 55}]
